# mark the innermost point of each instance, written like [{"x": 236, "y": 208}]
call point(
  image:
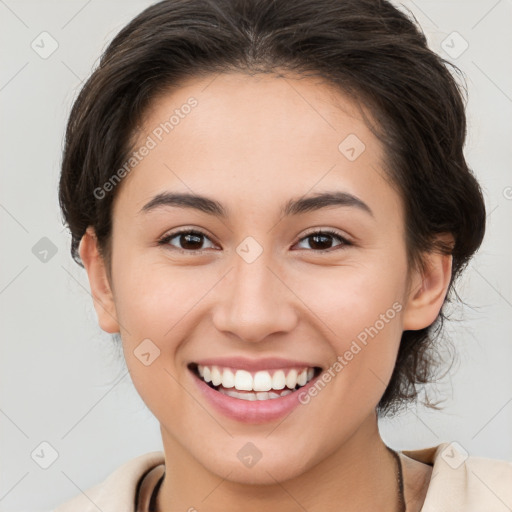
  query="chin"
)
[{"x": 263, "y": 472}]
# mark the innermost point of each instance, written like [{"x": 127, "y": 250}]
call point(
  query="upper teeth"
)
[{"x": 259, "y": 381}]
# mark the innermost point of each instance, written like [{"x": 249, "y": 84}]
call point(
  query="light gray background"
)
[{"x": 62, "y": 379}]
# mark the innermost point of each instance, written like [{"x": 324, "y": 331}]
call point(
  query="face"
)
[{"x": 269, "y": 278}]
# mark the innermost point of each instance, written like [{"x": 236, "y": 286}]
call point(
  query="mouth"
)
[{"x": 254, "y": 386}]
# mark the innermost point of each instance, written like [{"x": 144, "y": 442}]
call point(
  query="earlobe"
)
[
  {"x": 98, "y": 280},
  {"x": 428, "y": 291}
]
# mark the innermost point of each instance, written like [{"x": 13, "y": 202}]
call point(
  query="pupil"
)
[
  {"x": 192, "y": 239},
  {"x": 315, "y": 238}
]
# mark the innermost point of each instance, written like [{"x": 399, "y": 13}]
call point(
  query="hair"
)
[{"x": 368, "y": 49}]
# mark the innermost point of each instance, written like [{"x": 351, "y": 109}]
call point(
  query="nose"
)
[{"x": 254, "y": 302}]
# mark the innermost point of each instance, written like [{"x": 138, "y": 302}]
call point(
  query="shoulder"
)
[
  {"x": 463, "y": 482},
  {"x": 118, "y": 491}
]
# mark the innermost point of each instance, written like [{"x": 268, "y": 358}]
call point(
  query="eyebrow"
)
[{"x": 293, "y": 207}]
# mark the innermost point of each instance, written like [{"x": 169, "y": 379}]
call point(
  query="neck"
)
[{"x": 360, "y": 475}]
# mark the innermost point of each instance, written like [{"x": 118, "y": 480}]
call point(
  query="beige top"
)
[{"x": 457, "y": 484}]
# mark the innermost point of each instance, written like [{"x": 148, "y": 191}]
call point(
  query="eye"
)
[
  {"x": 322, "y": 240},
  {"x": 188, "y": 240}
]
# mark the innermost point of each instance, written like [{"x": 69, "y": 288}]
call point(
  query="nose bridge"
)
[{"x": 254, "y": 301}]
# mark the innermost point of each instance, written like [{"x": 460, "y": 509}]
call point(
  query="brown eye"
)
[
  {"x": 323, "y": 240},
  {"x": 186, "y": 241}
]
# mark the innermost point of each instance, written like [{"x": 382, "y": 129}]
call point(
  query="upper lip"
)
[{"x": 253, "y": 365}]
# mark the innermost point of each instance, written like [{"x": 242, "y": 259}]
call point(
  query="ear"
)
[
  {"x": 100, "y": 287},
  {"x": 428, "y": 290}
]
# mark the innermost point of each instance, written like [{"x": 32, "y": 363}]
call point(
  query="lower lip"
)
[{"x": 257, "y": 411}]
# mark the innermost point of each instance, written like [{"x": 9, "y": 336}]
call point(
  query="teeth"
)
[
  {"x": 291, "y": 379},
  {"x": 261, "y": 382},
  {"x": 243, "y": 380},
  {"x": 279, "y": 380},
  {"x": 243, "y": 396},
  {"x": 302, "y": 378},
  {"x": 254, "y": 396},
  {"x": 216, "y": 376},
  {"x": 228, "y": 378}
]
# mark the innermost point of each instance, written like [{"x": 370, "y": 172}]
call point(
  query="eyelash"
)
[{"x": 168, "y": 237}]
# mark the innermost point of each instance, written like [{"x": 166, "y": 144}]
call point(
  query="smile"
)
[{"x": 260, "y": 385}]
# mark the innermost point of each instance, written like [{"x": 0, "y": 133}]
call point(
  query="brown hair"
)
[{"x": 367, "y": 48}]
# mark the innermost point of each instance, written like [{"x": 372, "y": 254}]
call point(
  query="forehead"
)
[{"x": 258, "y": 139}]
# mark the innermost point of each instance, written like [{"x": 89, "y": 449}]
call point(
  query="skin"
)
[{"x": 253, "y": 143}]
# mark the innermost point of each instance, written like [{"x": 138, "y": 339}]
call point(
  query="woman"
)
[{"x": 272, "y": 205}]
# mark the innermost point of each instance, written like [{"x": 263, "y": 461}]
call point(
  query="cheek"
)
[
  {"x": 156, "y": 307},
  {"x": 152, "y": 307},
  {"x": 153, "y": 299},
  {"x": 359, "y": 312},
  {"x": 350, "y": 298}
]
